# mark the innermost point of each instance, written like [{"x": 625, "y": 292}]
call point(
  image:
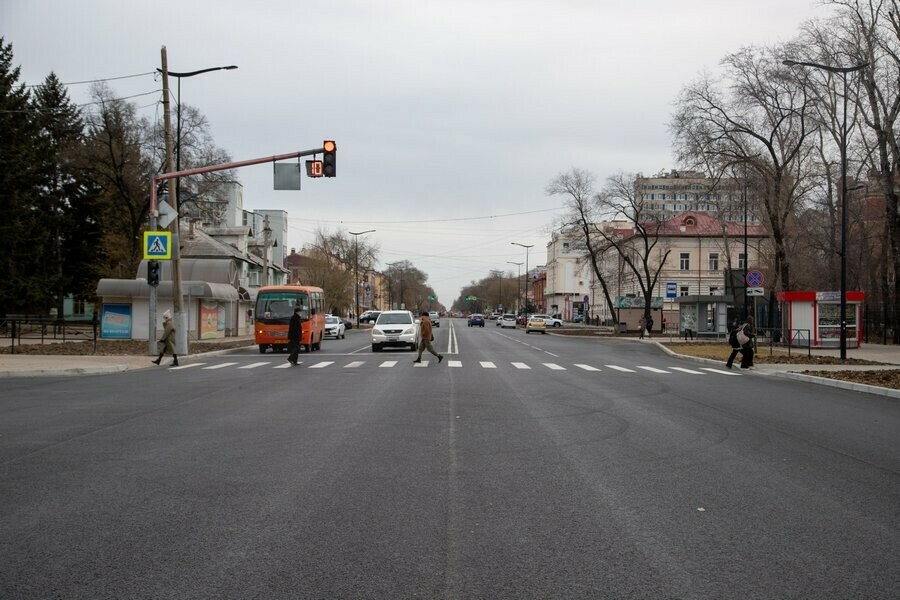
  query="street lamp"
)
[
  {"x": 843, "y": 72},
  {"x": 527, "y": 248},
  {"x": 177, "y": 299},
  {"x": 356, "y": 235},
  {"x": 518, "y": 281}
]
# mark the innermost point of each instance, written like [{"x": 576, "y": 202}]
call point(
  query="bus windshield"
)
[{"x": 278, "y": 306}]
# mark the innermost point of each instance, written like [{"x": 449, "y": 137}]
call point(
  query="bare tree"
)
[
  {"x": 758, "y": 115},
  {"x": 577, "y": 189}
]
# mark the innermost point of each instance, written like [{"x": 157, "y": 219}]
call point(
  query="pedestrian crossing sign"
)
[{"x": 157, "y": 245}]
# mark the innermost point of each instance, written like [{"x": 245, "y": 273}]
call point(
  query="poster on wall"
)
[
  {"x": 209, "y": 319},
  {"x": 115, "y": 322}
]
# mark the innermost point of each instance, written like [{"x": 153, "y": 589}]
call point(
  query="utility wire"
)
[
  {"x": 528, "y": 212},
  {"x": 100, "y": 80}
]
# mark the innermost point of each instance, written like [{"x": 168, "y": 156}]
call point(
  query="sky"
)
[{"x": 450, "y": 117}]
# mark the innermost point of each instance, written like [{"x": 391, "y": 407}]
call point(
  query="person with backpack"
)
[
  {"x": 733, "y": 342},
  {"x": 745, "y": 338}
]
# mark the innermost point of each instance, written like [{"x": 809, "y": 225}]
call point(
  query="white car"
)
[
  {"x": 435, "y": 318},
  {"x": 508, "y": 320},
  {"x": 334, "y": 327},
  {"x": 395, "y": 329},
  {"x": 549, "y": 321}
]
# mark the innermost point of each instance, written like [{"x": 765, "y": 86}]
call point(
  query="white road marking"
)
[
  {"x": 424, "y": 363},
  {"x": 254, "y": 365},
  {"x": 354, "y": 364},
  {"x": 653, "y": 370},
  {"x": 519, "y": 365},
  {"x": 551, "y": 354},
  {"x": 691, "y": 371},
  {"x": 587, "y": 367},
  {"x": 284, "y": 366},
  {"x": 622, "y": 369},
  {"x": 487, "y": 365},
  {"x": 554, "y": 367},
  {"x": 720, "y": 371},
  {"x": 388, "y": 364},
  {"x": 220, "y": 366},
  {"x": 321, "y": 365},
  {"x": 182, "y": 367},
  {"x": 454, "y": 363}
]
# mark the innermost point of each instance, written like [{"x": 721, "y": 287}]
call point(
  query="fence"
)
[
  {"x": 39, "y": 329},
  {"x": 784, "y": 338}
]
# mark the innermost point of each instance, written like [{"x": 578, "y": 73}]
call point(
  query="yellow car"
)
[{"x": 535, "y": 324}]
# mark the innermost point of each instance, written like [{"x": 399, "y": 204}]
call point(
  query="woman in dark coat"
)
[
  {"x": 167, "y": 341},
  {"x": 747, "y": 347}
]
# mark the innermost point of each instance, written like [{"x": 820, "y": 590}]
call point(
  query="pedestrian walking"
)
[
  {"x": 426, "y": 338},
  {"x": 662, "y": 324},
  {"x": 733, "y": 342},
  {"x": 745, "y": 338},
  {"x": 649, "y": 325},
  {"x": 295, "y": 334},
  {"x": 642, "y": 324},
  {"x": 166, "y": 344}
]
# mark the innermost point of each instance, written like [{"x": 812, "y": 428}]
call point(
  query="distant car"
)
[
  {"x": 435, "y": 318},
  {"x": 334, "y": 327},
  {"x": 550, "y": 321},
  {"x": 395, "y": 328},
  {"x": 578, "y": 319},
  {"x": 507, "y": 320},
  {"x": 535, "y": 323},
  {"x": 348, "y": 324},
  {"x": 370, "y": 316},
  {"x": 476, "y": 320}
]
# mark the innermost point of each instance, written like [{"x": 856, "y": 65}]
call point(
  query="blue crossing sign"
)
[{"x": 157, "y": 245}]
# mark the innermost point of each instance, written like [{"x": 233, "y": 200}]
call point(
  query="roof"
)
[
  {"x": 138, "y": 288},
  {"x": 701, "y": 223}
]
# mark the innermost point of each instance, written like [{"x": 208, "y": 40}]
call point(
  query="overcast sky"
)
[{"x": 450, "y": 117}]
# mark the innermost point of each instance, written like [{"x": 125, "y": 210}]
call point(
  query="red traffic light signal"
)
[{"x": 329, "y": 158}]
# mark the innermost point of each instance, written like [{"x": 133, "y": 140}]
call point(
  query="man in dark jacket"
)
[
  {"x": 425, "y": 341},
  {"x": 735, "y": 346},
  {"x": 295, "y": 333}
]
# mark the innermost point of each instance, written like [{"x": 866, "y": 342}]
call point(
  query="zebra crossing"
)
[{"x": 458, "y": 364}]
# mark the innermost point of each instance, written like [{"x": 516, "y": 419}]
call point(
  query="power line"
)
[
  {"x": 100, "y": 80},
  {"x": 515, "y": 214}
]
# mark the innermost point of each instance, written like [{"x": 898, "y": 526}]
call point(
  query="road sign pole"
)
[{"x": 151, "y": 305}]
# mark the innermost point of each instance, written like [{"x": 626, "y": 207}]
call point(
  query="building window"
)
[
  {"x": 683, "y": 291},
  {"x": 685, "y": 261},
  {"x": 78, "y": 307},
  {"x": 565, "y": 247},
  {"x": 713, "y": 261},
  {"x": 742, "y": 261}
]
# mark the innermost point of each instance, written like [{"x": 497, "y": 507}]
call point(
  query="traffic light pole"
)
[{"x": 181, "y": 331}]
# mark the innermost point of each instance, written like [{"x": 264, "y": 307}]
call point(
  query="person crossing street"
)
[{"x": 426, "y": 338}]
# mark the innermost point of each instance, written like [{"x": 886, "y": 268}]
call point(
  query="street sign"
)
[
  {"x": 754, "y": 278},
  {"x": 167, "y": 214},
  {"x": 756, "y": 291},
  {"x": 671, "y": 289},
  {"x": 157, "y": 245}
]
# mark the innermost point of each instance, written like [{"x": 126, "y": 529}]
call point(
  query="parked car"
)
[
  {"x": 476, "y": 320},
  {"x": 550, "y": 321},
  {"x": 535, "y": 323},
  {"x": 395, "y": 328},
  {"x": 578, "y": 319},
  {"x": 435, "y": 318},
  {"x": 507, "y": 320},
  {"x": 334, "y": 327},
  {"x": 370, "y": 316},
  {"x": 348, "y": 324}
]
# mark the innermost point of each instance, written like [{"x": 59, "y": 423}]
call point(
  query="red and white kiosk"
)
[{"x": 814, "y": 318}]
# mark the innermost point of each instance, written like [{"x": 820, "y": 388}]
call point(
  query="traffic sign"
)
[
  {"x": 756, "y": 291},
  {"x": 167, "y": 214},
  {"x": 157, "y": 245},
  {"x": 671, "y": 289},
  {"x": 754, "y": 278}
]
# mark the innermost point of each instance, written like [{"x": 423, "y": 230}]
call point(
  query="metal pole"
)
[
  {"x": 356, "y": 269},
  {"x": 844, "y": 226},
  {"x": 746, "y": 255}
]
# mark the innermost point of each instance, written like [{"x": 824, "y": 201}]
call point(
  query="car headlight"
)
[
  {"x": 376, "y": 331},
  {"x": 409, "y": 331}
]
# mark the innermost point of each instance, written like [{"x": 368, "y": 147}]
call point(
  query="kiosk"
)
[{"x": 814, "y": 318}]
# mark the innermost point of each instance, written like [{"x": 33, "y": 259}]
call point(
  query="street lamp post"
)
[
  {"x": 842, "y": 71},
  {"x": 177, "y": 298},
  {"x": 527, "y": 248},
  {"x": 356, "y": 235},
  {"x": 518, "y": 281}
]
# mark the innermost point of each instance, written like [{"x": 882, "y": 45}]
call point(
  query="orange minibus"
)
[{"x": 274, "y": 308}]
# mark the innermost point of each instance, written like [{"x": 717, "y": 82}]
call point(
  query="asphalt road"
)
[{"x": 507, "y": 471}]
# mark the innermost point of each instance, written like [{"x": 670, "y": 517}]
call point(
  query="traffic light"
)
[
  {"x": 153, "y": 267},
  {"x": 329, "y": 158}
]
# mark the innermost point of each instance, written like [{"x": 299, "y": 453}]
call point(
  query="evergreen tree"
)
[{"x": 20, "y": 291}]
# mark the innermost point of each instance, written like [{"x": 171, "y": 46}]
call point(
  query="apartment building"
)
[{"x": 669, "y": 193}]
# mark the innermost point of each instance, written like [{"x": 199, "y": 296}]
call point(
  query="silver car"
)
[{"x": 395, "y": 329}]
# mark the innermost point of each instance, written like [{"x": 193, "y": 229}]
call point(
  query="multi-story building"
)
[
  {"x": 669, "y": 193},
  {"x": 567, "y": 280}
]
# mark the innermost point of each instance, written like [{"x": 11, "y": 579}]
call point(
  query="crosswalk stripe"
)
[
  {"x": 653, "y": 369},
  {"x": 322, "y": 365},
  {"x": 285, "y": 366},
  {"x": 720, "y": 371},
  {"x": 587, "y": 367},
  {"x": 487, "y": 365},
  {"x": 454, "y": 363},
  {"x": 221, "y": 366},
  {"x": 519, "y": 365},
  {"x": 424, "y": 363},
  {"x": 691, "y": 371},
  {"x": 622, "y": 369},
  {"x": 183, "y": 367},
  {"x": 554, "y": 367},
  {"x": 354, "y": 364},
  {"x": 388, "y": 364},
  {"x": 254, "y": 365}
]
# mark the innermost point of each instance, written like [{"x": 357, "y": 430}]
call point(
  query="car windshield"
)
[
  {"x": 332, "y": 320},
  {"x": 508, "y": 317},
  {"x": 394, "y": 319}
]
